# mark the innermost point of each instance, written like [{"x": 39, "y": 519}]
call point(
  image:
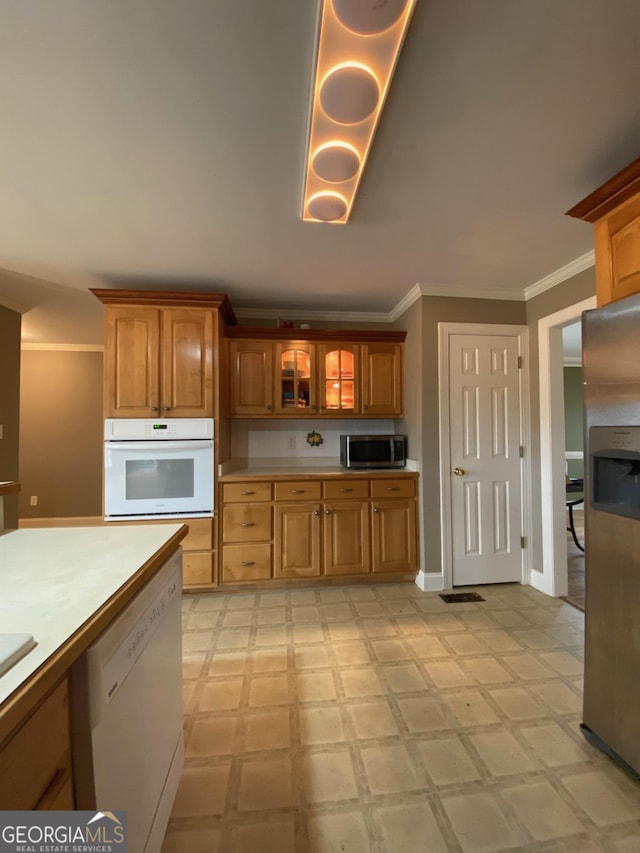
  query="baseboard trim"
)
[
  {"x": 69, "y": 521},
  {"x": 430, "y": 581}
]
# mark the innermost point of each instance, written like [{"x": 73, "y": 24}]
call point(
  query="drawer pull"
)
[
  {"x": 247, "y": 524},
  {"x": 346, "y": 490},
  {"x": 247, "y": 563},
  {"x": 393, "y": 488},
  {"x": 247, "y": 493},
  {"x": 298, "y": 491}
]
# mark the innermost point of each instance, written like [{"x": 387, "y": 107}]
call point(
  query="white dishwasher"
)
[{"x": 127, "y": 712}]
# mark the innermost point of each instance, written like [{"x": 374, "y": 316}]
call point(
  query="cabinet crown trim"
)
[
  {"x": 305, "y": 335},
  {"x": 168, "y": 299},
  {"x": 614, "y": 192}
]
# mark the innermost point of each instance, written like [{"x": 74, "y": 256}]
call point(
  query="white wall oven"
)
[{"x": 158, "y": 469}]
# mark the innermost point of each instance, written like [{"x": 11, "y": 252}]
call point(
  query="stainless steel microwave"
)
[{"x": 373, "y": 451}]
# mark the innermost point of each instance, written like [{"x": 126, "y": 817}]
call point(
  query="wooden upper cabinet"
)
[
  {"x": 339, "y": 378},
  {"x": 131, "y": 362},
  {"x": 186, "y": 357},
  {"x": 250, "y": 377},
  {"x": 382, "y": 379},
  {"x": 160, "y": 349},
  {"x": 614, "y": 210},
  {"x": 295, "y": 379},
  {"x": 327, "y": 374}
]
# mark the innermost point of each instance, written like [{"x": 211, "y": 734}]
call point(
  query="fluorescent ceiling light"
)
[{"x": 358, "y": 46}]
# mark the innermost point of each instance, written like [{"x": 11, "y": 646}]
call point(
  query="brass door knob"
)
[{"x": 458, "y": 472}]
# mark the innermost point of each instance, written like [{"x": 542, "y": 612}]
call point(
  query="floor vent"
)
[{"x": 459, "y": 597}]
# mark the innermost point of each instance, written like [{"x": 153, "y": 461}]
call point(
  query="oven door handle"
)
[{"x": 158, "y": 446}]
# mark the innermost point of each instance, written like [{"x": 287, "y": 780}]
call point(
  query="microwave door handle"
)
[{"x": 157, "y": 446}]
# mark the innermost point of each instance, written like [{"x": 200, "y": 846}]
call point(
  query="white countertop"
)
[{"x": 52, "y": 580}]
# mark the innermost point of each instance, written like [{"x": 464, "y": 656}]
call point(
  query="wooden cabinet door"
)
[
  {"x": 338, "y": 379},
  {"x": 346, "y": 538},
  {"x": 381, "y": 379},
  {"x": 295, "y": 385},
  {"x": 296, "y": 540},
  {"x": 132, "y": 340},
  {"x": 250, "y": 377},
  {"x": 394, "y": 535},
  {"x": 187, "y": 341},
  {"x": 617, "y": 242}
]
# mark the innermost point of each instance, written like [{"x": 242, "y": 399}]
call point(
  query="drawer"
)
[
  {"x": 200, "y": 535},
  {"x": 197, "y": 568},
  {"x": 345, "y": 488},
  {"x": 389, "y": 488},
  {"x": 301, "y": 490},
  {"x": 246, "y": 523},
  {"x": 246, "y": 563},
  {"x": 38, "y": 754},
  {"x": 245, "y": 492}
]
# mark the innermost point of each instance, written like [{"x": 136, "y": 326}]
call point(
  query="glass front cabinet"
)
[
  {"x": 338, "y": 366},
  {"x": 296, "y": 391}
]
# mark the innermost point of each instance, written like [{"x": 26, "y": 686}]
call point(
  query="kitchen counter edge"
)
[{"x": 26, "y": 697}]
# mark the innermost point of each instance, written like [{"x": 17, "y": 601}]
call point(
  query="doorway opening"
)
[{"x": 553, "y": 579}]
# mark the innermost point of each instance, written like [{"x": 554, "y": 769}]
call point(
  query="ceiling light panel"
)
[{"x": 358, "y": 46}]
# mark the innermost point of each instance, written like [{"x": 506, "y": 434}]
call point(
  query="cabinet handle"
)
[
  {"x": 375, "y": 509},
  {"x": 393, "y": 488},
  {"x": 247, "y": 563},
  {"x": 166, "y": 408},
  {"x": 316, "y": 512},
  {"x": 247, "y": 493},
  {"x": 269, "y": 407},
  {"x": 247, "y": 524},
  {"x": 327, "y": 512},
  {"x": 154, "y": 408},
  {"x": 298, "y": 491},
  {"x": 366, "y": 406},
  {"x": 346, "y": 490}
]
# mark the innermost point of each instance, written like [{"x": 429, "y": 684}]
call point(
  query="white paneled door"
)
[{"x": 485, "y": 464}]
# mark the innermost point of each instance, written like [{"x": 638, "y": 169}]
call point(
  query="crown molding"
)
[
  {"x": 511, "y": 294},
  {"x": 63, "y": 347},
  {"x": 406, "y": 302},
  {"x": 304, "y": 315},
  {"x": 584, "y": 262}
]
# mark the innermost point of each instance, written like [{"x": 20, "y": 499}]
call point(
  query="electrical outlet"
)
[
  {"x": 291, "y": 442},
  {"x": 33, "y": 500}
]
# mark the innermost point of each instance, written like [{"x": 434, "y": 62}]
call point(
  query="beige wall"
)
[
  {"x": 9, "y": 406},
  {"x": 61, "y": 433},
  {"x": 421, "y": 394}
]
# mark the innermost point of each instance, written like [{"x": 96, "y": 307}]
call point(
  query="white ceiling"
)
[{"x": 155, "y": 143}]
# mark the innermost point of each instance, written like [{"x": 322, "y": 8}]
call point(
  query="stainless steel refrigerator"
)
[{"x": 611, "y": 376}]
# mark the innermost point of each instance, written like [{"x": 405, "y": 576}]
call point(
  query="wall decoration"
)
[{"x": 314, "y": 439}]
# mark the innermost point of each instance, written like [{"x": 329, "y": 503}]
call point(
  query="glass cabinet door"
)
[
  {"x": 338, "y": 382},
  {"x": 295, "y": 379}
]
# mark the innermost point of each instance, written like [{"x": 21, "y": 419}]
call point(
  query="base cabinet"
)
[
  {"x": 314, "y": 528},
  {"x": 198, "y": 554},
  {"x": 35, "y": 764}
]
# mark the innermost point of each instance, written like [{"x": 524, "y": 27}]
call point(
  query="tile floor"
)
[{"x": 379, "y": 718}]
